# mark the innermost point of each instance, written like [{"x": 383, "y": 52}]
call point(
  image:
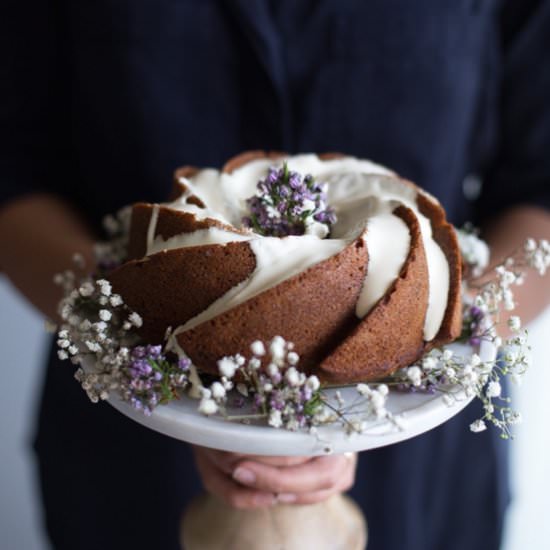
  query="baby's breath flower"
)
[
  {"x": 86, "y": 289},
  {"x": 414, "y": 374},
  {"x": 429, "y": 362},
  {"x": 218, "y": 391},
  {"x": 493, "y": 389},
  {"x": 475, "y": 252},
  {"x": 208, "y": 406},
  {"x": 116, "y": 300},
  {"x": 105, "y": 315},
  {"x": 275, "y": 418},
  {"x": 292, "y": 376},
  {"x": 93, "y": 346},
  {"x": 135, "y": 319},
  {"x": 292, "y": 357},
  {"x": 514, "y": 322},
  {"x": 478, "y": 426},
  {"x": 272, "y": 370},
  {"x": 255, "y": 363},
  {"x": 104, "y": 286},
  {"x": 227, "y": 367},
  {"x": 312, "y": 382},
  {"x": 277, "y": 349},
  {"x": 448, "y": 399},
  {"x": 258, "y": 348}
]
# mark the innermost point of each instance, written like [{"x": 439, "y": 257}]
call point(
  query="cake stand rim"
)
[{"x": 418, "y": 414}]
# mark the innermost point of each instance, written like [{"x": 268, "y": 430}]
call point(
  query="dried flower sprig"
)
[
  {"x": 288, "y": 204},
  {"x": 97, "y": 324},
  {"x": 463, "y": 377},
  {"x": 150, "y": 378},
  {"x": 113, "y": 251},
  {"x": 279, "y": 392},
  {"x": 285, "y": 397}
]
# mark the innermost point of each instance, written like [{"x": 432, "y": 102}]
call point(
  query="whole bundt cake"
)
[{"x": 361, "y": 289}]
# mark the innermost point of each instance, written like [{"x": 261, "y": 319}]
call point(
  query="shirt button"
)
[{"x": 471, "y": 186}]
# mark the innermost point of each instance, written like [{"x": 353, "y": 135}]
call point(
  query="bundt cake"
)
[{"x": 381, "y": 289}]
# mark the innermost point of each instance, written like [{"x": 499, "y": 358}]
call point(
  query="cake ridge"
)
[{"x": 208, "y": 211}]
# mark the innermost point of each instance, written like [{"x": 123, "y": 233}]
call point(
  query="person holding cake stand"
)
[{"x": 102, "y": 103}]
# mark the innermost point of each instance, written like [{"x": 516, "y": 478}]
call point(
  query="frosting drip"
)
[
  {"x": 385, "y": 259},
  {"x": 276, "y": 260},
  {"x": 200, "y": 237},
  {"x": 363, "y": 194}
]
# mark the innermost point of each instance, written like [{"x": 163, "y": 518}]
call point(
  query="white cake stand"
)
[
  {"x": 416, "y": 413},
  {"x": 332, "y": 525}
]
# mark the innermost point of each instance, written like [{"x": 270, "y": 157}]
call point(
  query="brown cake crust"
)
[
  {"x": 390, "y": 336},
  {"x": 178, "y": 188},
  {"x": 314, "y": 309},
  {"x": 445, "y": 236},
  {"x": 248, "y": 156},
  {"x": 169, "y": 288}
]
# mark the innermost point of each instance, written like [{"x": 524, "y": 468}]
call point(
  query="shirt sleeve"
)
[
  {"x": 31, "y": 101},
  {"x": 519, "y": 172}
]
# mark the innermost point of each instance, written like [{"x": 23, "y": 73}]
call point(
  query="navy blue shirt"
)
[{"x": 102, "y": 100}]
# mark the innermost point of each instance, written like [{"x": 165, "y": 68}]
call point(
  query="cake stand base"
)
[{"x": 335, "y": 524}]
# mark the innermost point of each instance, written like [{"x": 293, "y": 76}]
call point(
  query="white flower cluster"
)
[
  {"x": 113, "y": 252},
  {"x": 279, "y": 392},
  {"x": 460, "y": 377},
  {"x": 97, "y": 324},
  {"x": 474, "y": 250},
  {"x": 286, "y": 397},
  {"x": 289, "y": 399},
  {"x": 537, "y": 254},
  {"x": 511, "y": 273}
]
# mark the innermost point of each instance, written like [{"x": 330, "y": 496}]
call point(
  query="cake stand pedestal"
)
[
  {"x": 335, "y": 524},
  {"x": 331, "y": 525}
]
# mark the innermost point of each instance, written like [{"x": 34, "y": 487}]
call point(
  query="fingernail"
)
[
  {"x": 286, "y": 498},
  {"x": 242, "y": 475}
]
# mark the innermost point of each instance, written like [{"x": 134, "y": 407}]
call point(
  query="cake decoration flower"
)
[
  {"x": 101, "y": 335},
  {"x": 288, "y": 204}
]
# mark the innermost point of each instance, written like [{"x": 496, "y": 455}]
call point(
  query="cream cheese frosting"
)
[{"x": 363, "y": 195}]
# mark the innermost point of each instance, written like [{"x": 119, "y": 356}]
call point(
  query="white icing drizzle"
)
[
  {"x": 152, "y": 226},
  {"x": 352, "y": 197},
  {"x": 200, "y": 237},
  {"x": 439, "y": 282},
  {"x": 358, "y": 190},
  {"x": 276, "y": 260},
  {"x": 388, "y": 242}
]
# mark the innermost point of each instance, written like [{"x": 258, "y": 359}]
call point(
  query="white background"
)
[{"x": 22, "y": 345}]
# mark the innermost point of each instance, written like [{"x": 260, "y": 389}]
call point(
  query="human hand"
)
[{"x": 246, "y": 482}]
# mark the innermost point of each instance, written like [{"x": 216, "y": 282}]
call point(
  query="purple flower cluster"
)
[
  {"x": 150, "y": 378},
  {"x": 285, "y": 405},
  {"x": 286, "y": 203},
  {"x": 473, "y": 326}
]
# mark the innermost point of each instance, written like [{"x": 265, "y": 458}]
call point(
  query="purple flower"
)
[
  {"x": 279, "y": 208},
  {"x": 150, "y": 378}
]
